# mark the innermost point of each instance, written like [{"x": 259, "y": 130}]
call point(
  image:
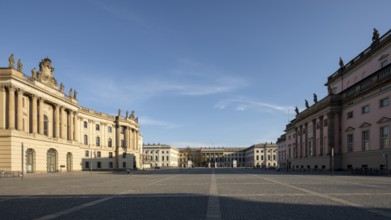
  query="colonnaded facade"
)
[
  {"x": 349, "y": 129},
  {"x": 162, "y": 155},
  {"x": 43, "y": 129}
]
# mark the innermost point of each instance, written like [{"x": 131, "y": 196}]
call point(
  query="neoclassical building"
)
[
  {"x": 350, "y": 127},
  {"x": 44, "y": 129},
  {"x": 159, "y": 155}
]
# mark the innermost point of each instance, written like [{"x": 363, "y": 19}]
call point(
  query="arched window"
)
[
  {"x": 97, "y": 141},
  {"x": 85, "y": 124},
  {"x": 85, "y": 139},
  {"x": 110, "y": 142},
  {"x": 51, "y": 160},
  {"x": 45, "y": 125}
]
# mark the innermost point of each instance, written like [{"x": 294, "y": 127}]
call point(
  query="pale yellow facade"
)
[{"x": 55, "y": 132}]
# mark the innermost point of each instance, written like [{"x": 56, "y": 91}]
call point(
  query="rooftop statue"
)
[
  {"x": 11, "y": 61},
  {"x": 75, "y": 94},
  {"x": 19, "y": 66},
  {"x": 34, "y": 73},
  {"x": 132, "y": 115},
  {"x": 62, "y": 87},
  {"x": 315, "y": 98},
  {"x": 297, "y": 110},
  {"x": 306, "y": 104},
  {"x": 70, "y": 93},
  {"x": 376, "y": 35},
  {"x": 341, "y": 64}
]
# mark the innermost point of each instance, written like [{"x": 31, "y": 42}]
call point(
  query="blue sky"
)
[{"x": 197, "y": 73}]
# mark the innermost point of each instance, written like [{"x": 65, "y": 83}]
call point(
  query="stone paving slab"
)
[{"x": 195, "y": 194}]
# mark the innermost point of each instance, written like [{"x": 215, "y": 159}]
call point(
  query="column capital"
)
[{"x": 19, "y": 90}]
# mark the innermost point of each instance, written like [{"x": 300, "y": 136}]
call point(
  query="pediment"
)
[
  {"x": 365, "y": 125},
  {"x": 383, "y": 120},
  {"x": 349, "y": 129}
]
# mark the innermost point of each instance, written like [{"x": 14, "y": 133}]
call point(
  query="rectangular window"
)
[
  {"x": 365, "y": 109},
  {"x": 98, "y": 165},
  {"x": 257, "y": 157},
  {"x": 124, "y": 164},
  {"x": 87, "y": 165},
  {"x": 162, "y": 158},
  {"x": 98, "y": 154},
  {"x": 384, "y": 137},
  {"x": 383, "y": 63},
  {"x": 110, "y": 164},
  {"x": 384, "y": 102},
  {"x": 365, "y": 140},
  {"x": 87, "y": 153},
  {"x": 167, "y": 158},
  {"x": 85, "y": 124},
  {"x": 109, "y": 129},
  {"x": 350, "y": 142},
  {"x": 110, "y": 154},
  {"x": 325, "y": 123},
  {"x": 124, "y": 155},
  {"x": 350, "y": 114},
  {"x": 97, "y": 127}
]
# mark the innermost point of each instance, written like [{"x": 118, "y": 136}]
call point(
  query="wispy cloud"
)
[
  {"x": 125, "y": 14},
  {"x": 204, "y": 81},
  {"x": 243, "y": 104},
  {"x": 148, "y": 121}
]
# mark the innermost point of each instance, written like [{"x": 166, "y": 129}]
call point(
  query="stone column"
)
[
  {"x": 71, "y": 125},
  {"x": 314, "y": 144},
  {"x": 127, "y": 138},
  {"x": 34, "y": 114},
  {"x": 136, "y": 141},
  {"x": 321, "y": 149},
  {"x": 306, "y": 154},
  {"x": 56, "y": 121},
  {"x": 2, "y": 107},
  {"x": 77, "y": 126},
  {"x": 63, "y": 123},
  {"x": 41, "y": 106},
  {"x": 20, "y": 110},
  {"x": 117, "y": 144},
  {"x": 11, "y": 108}
]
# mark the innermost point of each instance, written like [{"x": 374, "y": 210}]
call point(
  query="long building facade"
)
[
  {"x": 44, "y": 129},
  {"x": 350, "y": 127}
]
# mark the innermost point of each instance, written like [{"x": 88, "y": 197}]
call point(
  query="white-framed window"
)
[
  {"x": 85, "y": 139},
  {"x": 350, "y": 115},
  {"x": 85, "y": 124},
  {"x": 98, "y": 141},
  {"x": 383, "y": 63},
  {"x": 110, "y": 129},
  {"x": 97, "y": 127},
  {"x": 384, "y": 102},
  {"x": 350, "y": 142},
  {"x": 365, "y": 109},
  {"x": 384, "y": 137},
  {"x": 110, "y": 142},
  {"x": 365, "y": 140}
]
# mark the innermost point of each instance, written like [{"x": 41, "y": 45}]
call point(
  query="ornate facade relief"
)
[{"x": 45, "y": 74}]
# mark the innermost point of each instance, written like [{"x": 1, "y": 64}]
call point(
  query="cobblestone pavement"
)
[{"x": 195, "y": 194}]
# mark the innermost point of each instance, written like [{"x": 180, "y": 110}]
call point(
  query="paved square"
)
[{"x": 195, "y": 194}]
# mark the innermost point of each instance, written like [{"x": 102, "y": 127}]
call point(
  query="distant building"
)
[
  {"x": 159, "y": 155},
  {"x": 57, "y": 134},
  {"x": 350, "y": 127}
]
